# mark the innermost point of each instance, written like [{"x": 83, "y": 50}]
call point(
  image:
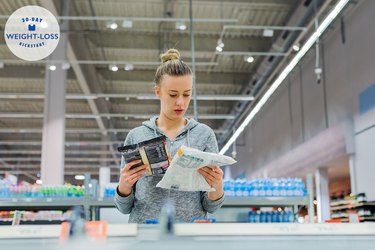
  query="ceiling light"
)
[
  {"x": 52, "y": 67},
  {"x": 181, "y": 26},
  {"x": 129, "y": 66},
  {"x": 65, "y": 66},
  {"x": 79, "y": 177},
  {"x": 268, "y": 33},
  {"x": 219, "y": 49},
  {"x": 113, "y": 67},
  {"x": 39, "y": 182},
  {"x": 249, "y": 59},
  {"x": 312, "y": 39},
  {"x": 112, "y": 25},
  {"x": 296, "y": 47},
  {"x": 1, "y": 65},
  {"x": 127, "y": 24}
]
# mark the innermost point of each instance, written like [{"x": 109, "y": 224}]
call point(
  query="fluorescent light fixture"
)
[
  {"x": 268, "y": 33},
  {"x": 129, "y": 66},
  {"x": 79, "y": 177},
  {"x": 44, "y": 24},
  {"x": 296, "y": 47},
  {"x": 219, "y": 49},
  {"x": 113, "y": 67},
  {"x": 39, "y": 182},
  {"x": 312, "y": 39},
  {"x": 249, "y": 59},
  {"x": 127, "y": 24},
  {"x": 1, "y": 65},
  {"x": 181, "y": 25},
  {"x": 147, "y": 97},
  {"x": 112, "y": 25},
  {"x": 52, "y": 67}
]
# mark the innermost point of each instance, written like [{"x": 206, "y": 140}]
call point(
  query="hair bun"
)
[{"x": 171, "y": 54}]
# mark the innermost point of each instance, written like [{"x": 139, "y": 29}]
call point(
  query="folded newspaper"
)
[
  {"x": 153, "y": 153},
  {"x": 182, "y": 173}
]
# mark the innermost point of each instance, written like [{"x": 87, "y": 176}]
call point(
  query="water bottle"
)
[
  {"x": 268, "y": 188},
  {"x": 256, "y": 217},
  {"x": 275, "y": 217},
  {"x": 262, "y": 217},
  {"x": 251, "y": 218},
  {"x": 261, "y": 187},
  {"x": 237, "y": 190},
  {"x": 268, "y": 217},
  {"x": 243, "y": 188}
]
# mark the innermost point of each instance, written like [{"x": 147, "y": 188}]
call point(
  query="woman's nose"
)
[{"x": 180, "y": 100}]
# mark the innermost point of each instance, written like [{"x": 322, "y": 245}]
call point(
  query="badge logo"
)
[{"x": 32, "y": 33}]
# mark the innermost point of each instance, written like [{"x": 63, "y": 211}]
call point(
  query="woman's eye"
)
[
  {"x": 173, "y": 96},
  {"x": 186, "y": 95}
]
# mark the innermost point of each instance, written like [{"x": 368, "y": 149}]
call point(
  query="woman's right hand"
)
[{"x": 129, "y": 177}]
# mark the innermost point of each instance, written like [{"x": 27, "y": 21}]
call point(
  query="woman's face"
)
[{"x": 174, "y": 93}]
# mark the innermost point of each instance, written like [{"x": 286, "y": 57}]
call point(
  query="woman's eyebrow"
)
[{"x": 171, "y": 90}]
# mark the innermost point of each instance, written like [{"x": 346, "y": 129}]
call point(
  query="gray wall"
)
[{"x": 297, "y": 111}]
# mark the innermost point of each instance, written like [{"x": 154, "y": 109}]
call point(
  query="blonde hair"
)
[{"x": 171, "y": 65}]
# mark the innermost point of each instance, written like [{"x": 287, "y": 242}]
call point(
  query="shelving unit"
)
[
  {"x": 92, "y": 206},
  {"x": 353, "y": 205},
  {"x": 265, "y": 201}
]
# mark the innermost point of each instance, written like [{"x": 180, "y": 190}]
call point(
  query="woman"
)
[{"x": 137, "y": 194}]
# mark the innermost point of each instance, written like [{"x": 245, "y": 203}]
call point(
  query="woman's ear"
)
[{"x": 157, "y": 90}]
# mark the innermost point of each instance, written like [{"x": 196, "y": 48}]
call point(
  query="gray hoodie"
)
[{"x": 146, "y": 200}]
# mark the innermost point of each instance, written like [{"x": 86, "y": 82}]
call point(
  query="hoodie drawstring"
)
[{"x": 187, "y": 138}]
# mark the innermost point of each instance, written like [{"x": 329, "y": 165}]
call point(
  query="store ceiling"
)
[{"x": 218, "y": 75}]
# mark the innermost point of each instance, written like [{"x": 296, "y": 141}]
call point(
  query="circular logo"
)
[{"x": 32, "y": 33}]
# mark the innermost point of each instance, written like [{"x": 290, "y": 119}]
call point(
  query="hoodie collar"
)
[{"x": 151, "y": 124}]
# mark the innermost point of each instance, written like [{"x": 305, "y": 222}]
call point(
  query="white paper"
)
[{"x": 182, "y": 173}]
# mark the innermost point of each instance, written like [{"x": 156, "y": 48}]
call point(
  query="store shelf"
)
[
  {"x": 44, "y": 203},
  {"x": 353, "y": 205},
  {"x": 54, "y": 202},
  {"x": 33, "y": 222},
  {"x": 264, "y": 201},
  {"x": 108, "y": 202}
]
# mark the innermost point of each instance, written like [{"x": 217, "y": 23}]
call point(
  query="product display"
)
[
  {"x": 271, "y": 217},
  {"x": 152, "y": 152},
  {"x": 183, "y": 175},
  {"x": 30, "y": 216},
  {"x": 282, "y": 187},
  {"x": 343, "y": 206},
  {"x": 8, "y": 190}
]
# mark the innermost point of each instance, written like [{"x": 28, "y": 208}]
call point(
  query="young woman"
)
[{"x": 137, "y": 194}]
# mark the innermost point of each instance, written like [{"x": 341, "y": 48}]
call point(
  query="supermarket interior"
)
[{"x": 187, "y": 123}]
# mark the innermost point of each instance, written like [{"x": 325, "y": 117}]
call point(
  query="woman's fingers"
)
[
  {"x": 217, "y": 173},
  {"x": 129, "y": 165}
]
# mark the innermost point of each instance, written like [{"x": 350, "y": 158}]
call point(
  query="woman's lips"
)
[{"x": 178, "y": 111}]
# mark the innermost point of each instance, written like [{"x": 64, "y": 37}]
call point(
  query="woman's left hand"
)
[{"x": 214, "y": 177}]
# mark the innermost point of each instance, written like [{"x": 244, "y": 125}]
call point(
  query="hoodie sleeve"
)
[
  {"x": 125, "y": 204},
  {"x": 207, "y": 204}
]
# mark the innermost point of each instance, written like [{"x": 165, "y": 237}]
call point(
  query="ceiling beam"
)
[
  {"x": 91, "y": 143},
  {"x": 126, "y": 116},
  {"x": 116, "y": 95},
  {"x": 84, "y": 158},
  {"x": 67, "y": 152},
  {"x": 75, "y": 130}
]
